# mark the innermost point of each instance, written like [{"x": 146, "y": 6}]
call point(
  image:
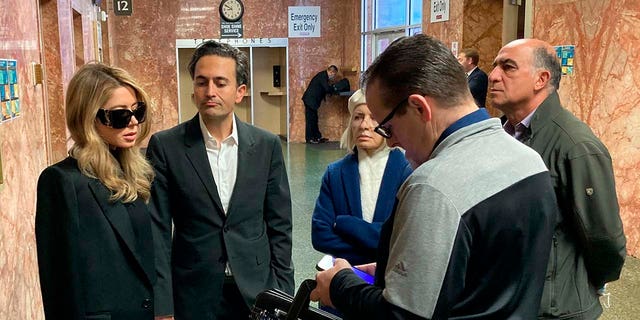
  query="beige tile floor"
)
[{"x": 625, "y": 293}]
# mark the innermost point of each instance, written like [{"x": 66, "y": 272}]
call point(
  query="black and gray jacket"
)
[{"x": 469, "y": 238}]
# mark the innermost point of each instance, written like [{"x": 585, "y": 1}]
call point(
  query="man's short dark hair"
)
[
  {"x": 543, "y": 59},
  {"x": 473, "y": 54},
  {"x": 333, "y": 67},
  {"x": 215, "y": 48},
  {"x": 418, "y": 65}
]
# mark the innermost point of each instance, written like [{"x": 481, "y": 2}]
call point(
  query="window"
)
[
  {"x": 390, "y": 13},
  {"x": 386, "y": 20}
]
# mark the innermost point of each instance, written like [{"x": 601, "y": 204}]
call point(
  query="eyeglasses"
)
[
  {"x": 385, "y": 130},
  {"x": 120, "y": 118}
]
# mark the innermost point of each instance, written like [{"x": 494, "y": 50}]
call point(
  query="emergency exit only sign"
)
[{"x": 122, "y": 7}]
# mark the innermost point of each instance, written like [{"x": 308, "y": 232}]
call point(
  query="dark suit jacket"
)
[
  {"x": 478, "y": 84},
  {"x": 95, "y": 261},
  {"x": 316, "y": 91},
  {"x": 337, "y": 227},
  {"x": 254, "y": 236}
]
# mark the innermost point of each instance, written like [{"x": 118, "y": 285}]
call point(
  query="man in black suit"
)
[
  {"x": 318, "y": 88},
  {"x": 478, "y": 80},
  {"x": 224, "y": 186}
]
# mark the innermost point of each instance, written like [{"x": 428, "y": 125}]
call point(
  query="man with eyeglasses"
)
[{"x": 471, "y": 229}]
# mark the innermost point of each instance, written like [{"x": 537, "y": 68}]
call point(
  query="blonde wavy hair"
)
[{"x": 125, "y": 172}]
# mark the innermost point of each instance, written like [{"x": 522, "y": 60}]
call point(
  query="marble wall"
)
[
  {"x": 35, "y": 139},
  {"x": 21, "y": 145},
  {"x": 472, "y": 24},
  {"x": 482, "y": 30},
  {"x": 59, "y": 64},
  {"x": 446, "y": 31},
  {"x": 604, "y": 90},
  {"x": 144, "y": 44},
  {"x": 50, "y": 21},
  {"x": 150, "y": 37},
  {"x": 339, "y": 45}
]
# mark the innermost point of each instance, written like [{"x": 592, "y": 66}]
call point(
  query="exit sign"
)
[{"x": 122, "y": 7}]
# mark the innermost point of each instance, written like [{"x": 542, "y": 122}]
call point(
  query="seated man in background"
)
[
  {"x": 471, "y": 231},
  {"x": 358, "y": 191}
]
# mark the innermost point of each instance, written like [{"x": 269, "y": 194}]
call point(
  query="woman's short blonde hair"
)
[
  {"x": 347, "y": 142},
  {"x": 125, "y": 172}
]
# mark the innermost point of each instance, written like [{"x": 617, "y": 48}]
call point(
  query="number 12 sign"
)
[{"x": 122, "y": 7}]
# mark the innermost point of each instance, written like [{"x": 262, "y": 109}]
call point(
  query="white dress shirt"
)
[
  {"x": 471, "y": 71},
  {"x": 223, "y": 159}
]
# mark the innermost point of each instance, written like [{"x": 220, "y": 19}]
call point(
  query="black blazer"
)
[
  {"x": 95, "y": 261},
  {"x": 317, "y": 89},
  {"x": 254, "y": 236},
  {"x": 478, "y": 84}
]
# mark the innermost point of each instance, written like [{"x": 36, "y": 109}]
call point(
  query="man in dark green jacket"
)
[{"x": 589, "y": 244}]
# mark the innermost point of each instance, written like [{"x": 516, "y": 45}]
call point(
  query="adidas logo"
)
[{"x": 400, "y": 269}]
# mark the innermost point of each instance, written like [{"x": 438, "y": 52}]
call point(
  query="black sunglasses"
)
[
  {"x": 383, "y": 130},
  {"x": 120, "y": 118}
]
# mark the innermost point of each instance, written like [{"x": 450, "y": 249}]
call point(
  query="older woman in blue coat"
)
[{"x": 358, "y": 191}]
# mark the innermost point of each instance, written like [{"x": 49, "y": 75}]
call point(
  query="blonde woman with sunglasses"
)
[{"x": 93, "y": 229}]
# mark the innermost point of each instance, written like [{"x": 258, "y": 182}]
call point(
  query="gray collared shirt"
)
[{"x": 521, "y": 130}]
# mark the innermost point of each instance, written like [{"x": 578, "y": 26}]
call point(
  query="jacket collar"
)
[
  {"x": 472, "y": 71},
  {"x": 118, "y": 217},
  {"x": 207, "y": 135},
  {"x": 545, "y": 113},
  {"x": 246, "y": 164},
  {"x": 351, "y": 181},
  {"x": 197, "y": 155}
]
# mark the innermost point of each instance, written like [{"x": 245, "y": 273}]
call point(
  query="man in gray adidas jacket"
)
[{"x": 472, "y": 226}]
